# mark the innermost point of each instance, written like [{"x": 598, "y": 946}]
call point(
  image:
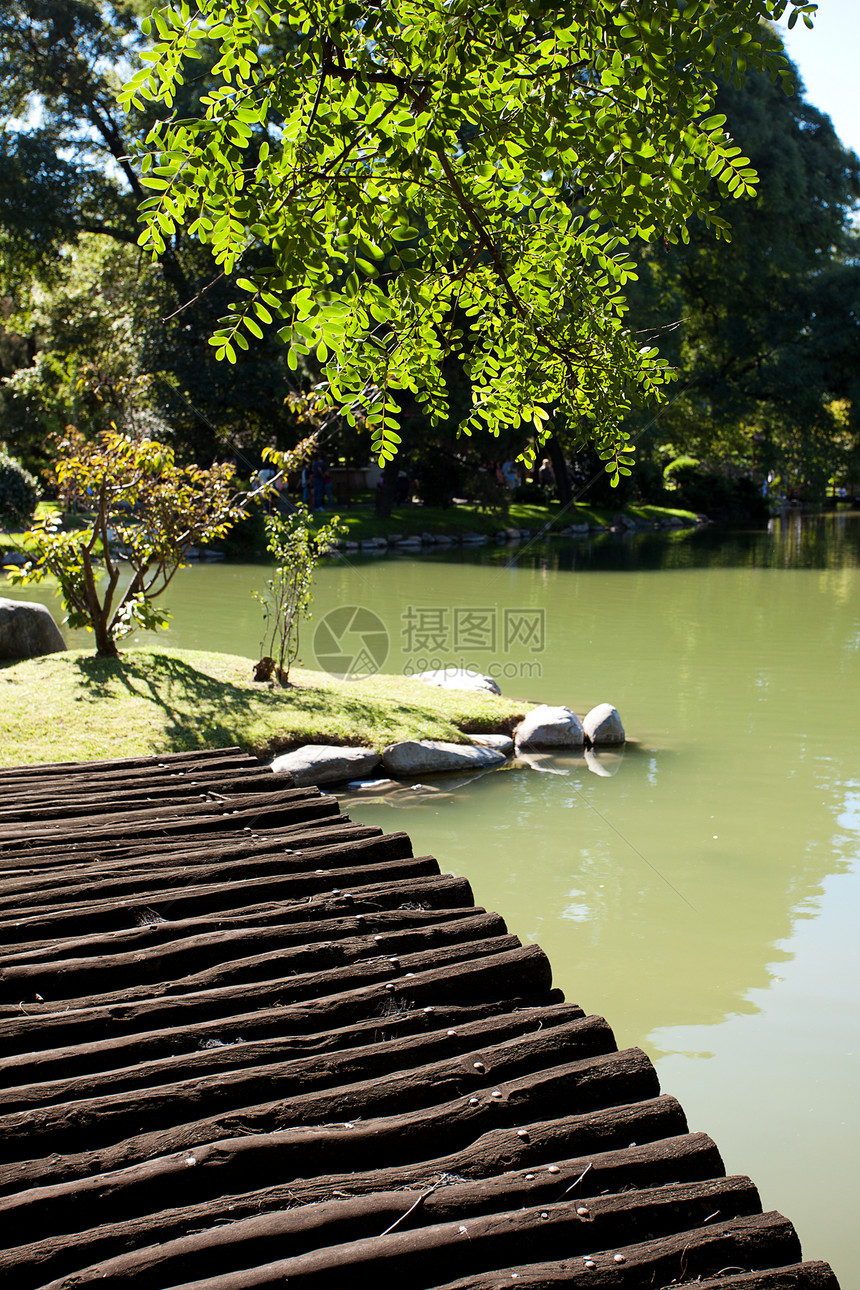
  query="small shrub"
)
[
  {"x": 724, "y": 499},
  {"x": 19, "y": 493},
  {"x": 144, "y": 506},
  {"x": 297, "y": 550}
]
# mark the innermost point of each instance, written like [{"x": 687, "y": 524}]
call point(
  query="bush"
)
[
  {"x": 724, "y": 499},
  {"x": 19, "y": 494},
  {"x": 144, "y": 506}
]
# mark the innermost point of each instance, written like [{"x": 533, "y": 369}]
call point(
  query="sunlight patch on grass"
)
[{"x": 76, "y": 707}]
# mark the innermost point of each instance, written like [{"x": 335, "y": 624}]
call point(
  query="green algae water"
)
[{"x": 700, "y": 890}]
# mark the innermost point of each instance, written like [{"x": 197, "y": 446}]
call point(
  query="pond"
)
[{"x": 703, "y": 892}]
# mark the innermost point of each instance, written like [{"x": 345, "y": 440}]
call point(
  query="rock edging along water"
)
[
  {"x": 546, "y": 727},
  {"x": 427, "y": 540},
  {"x": 249, "y": 1042}
]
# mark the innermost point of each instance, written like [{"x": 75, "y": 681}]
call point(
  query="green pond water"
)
[{"x": 702, "y": 893}]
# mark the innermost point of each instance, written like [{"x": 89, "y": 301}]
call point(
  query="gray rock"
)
[
  {"x": 326, "y": 764},
  {"x": 458, "y": 678},
  {"x": 603, "y": 725},
  {"x": 27, "y": 630},
  {"x": 501, "y": 743},
  {"x": 548, "y": 727},
  {"x": 625, "y": 523},
  {"x": 429, "y": 756},
  {"x": 16, "y": 558}
]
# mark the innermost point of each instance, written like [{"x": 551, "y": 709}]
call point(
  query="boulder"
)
[
  {"x": 603, "y": 725},
  {"x": 429, "y": 756},
  {"x": 326, "y": 764},
  {"x": 501, "y": 743},
  {"x": 458, "y": 678},
  {"x": 624, "y": 523},
  {"x": 548, "y": 727},
  {"x": 27, "y": 630}
]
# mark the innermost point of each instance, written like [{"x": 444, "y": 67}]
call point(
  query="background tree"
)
[
  {"x": 69, "y": 192},
  {"x": 764, "y": 331}
]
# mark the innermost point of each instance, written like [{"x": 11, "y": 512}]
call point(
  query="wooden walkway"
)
[{"x": 248, "y": 1043}]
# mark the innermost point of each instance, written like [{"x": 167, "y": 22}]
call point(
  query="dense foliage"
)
[
  {"x": 439, "y": 210},
  {"x": 19, "y": 493},
  {"x": 434, "y": 178}
]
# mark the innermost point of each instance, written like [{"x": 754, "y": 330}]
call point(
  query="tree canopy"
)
[
  {"x": 395, "y": 183},
  {"x": 766, "y": 340}
]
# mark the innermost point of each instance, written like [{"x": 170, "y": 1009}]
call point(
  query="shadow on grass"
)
[{"x": 204, "y": 712}]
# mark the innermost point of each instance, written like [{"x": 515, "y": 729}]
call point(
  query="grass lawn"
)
[
  {"x": 455, "y": 520},
  {"x": 362, "y": 523},
  {"x": 76, "y": 707}
]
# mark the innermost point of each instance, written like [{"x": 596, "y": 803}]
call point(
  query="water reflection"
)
[{"x": 792, "y": 541}]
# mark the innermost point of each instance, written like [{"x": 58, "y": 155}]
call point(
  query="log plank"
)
[
  {"x": 352, "y": 1083},
  {"x": 420, "y": 1034},
  {"x": 768, "y": 1240},
  {"x": 424, "y": 1256},
  {"x": 61, "y": 1197},
  {"x": 676, "y": 1159},
  {"x": 213, "y": 951}
]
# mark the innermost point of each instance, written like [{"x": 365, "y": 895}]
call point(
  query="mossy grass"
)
[{"x": 77, "y": 707}]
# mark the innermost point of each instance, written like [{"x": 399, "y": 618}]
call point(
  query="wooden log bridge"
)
[{"x": 249, "y": 1043}]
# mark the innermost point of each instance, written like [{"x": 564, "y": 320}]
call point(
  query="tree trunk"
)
[
  {"x": 559, "y": 466},
  {"x": 105, "y": 643},
  {"x": 387, "y": 489}
]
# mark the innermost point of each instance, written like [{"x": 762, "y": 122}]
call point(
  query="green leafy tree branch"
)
[{"x": 431, "y": 178}]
